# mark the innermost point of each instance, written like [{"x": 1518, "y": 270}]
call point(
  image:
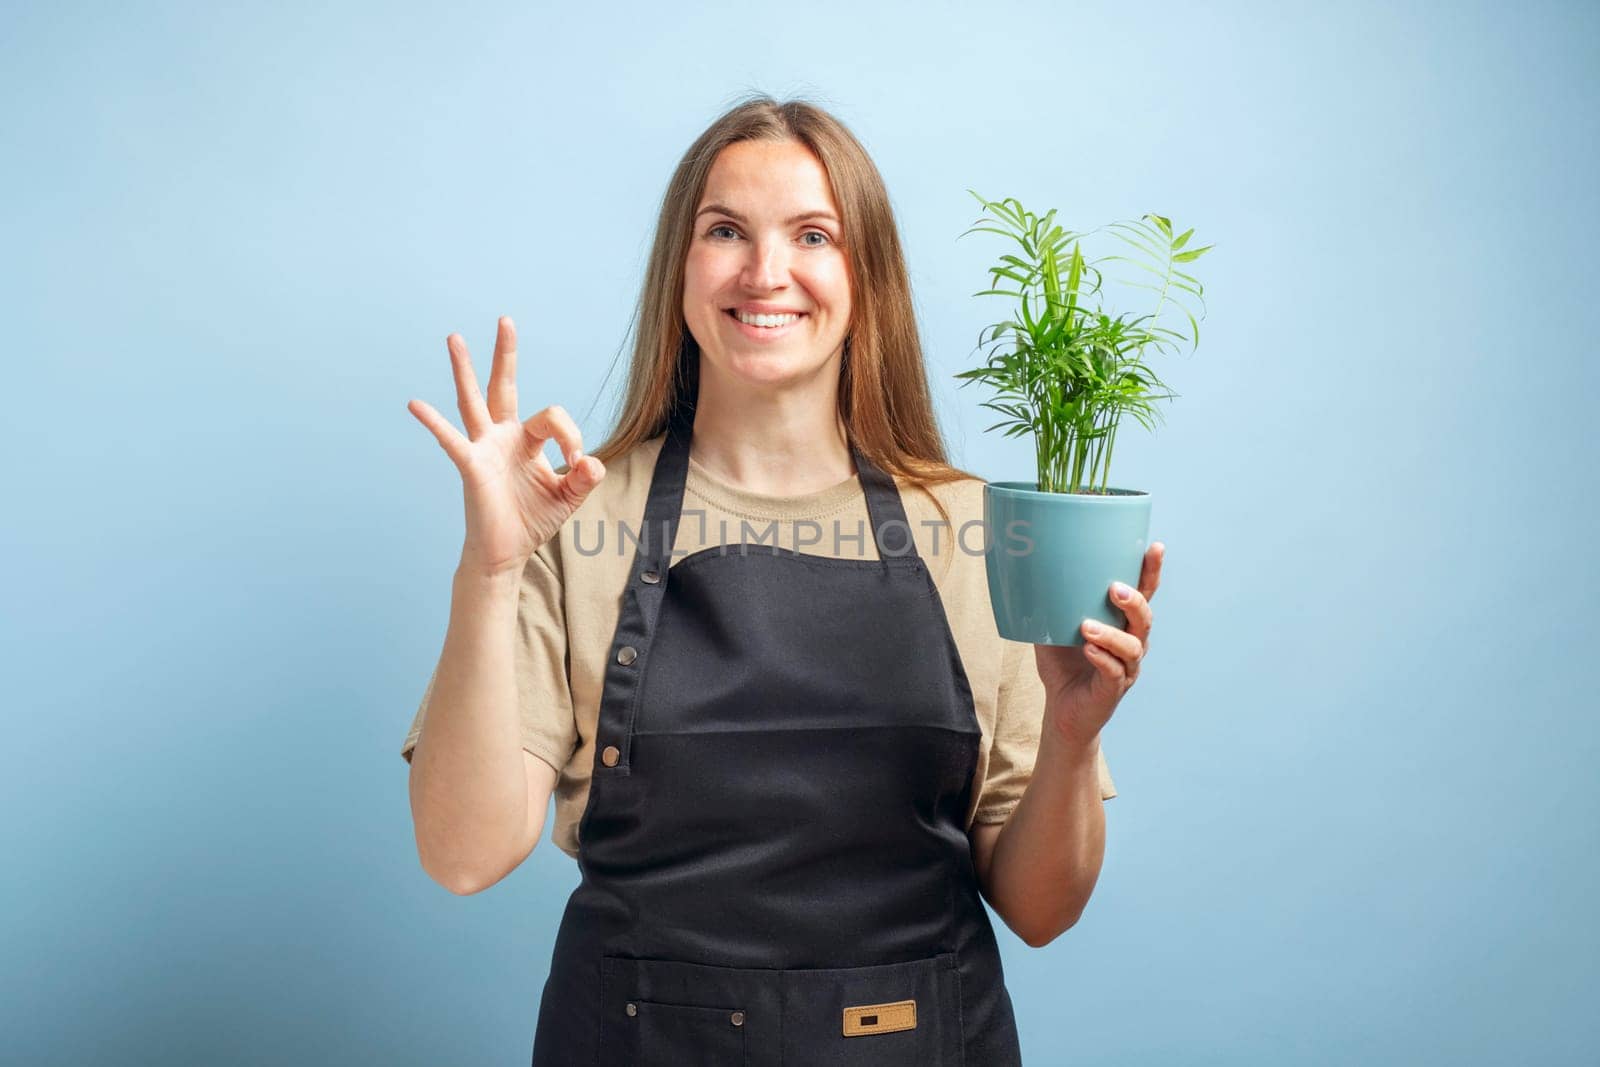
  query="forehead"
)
[{"x": 767, "y": 177}]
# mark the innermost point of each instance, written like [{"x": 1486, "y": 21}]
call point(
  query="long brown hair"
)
[{"x": 883, "y": 384}]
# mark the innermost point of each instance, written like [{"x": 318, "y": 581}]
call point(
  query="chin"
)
[{"x": 762, "y": 368}]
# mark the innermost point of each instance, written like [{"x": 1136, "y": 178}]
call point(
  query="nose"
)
[{"x": 767, "y": 266}]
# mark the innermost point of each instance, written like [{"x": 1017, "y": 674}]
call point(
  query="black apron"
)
[{"x": 775, "y": 866}]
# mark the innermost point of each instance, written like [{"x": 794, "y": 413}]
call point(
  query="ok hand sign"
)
[{"x": 515, "y": 500}]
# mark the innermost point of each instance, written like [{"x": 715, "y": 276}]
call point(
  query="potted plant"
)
[{"x": 1068, "y": 374}]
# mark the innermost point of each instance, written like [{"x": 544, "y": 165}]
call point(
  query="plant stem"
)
[{"x": 1110, "y": 443}]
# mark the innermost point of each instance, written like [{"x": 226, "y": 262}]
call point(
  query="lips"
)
[
  {"x": 786, "y": 311},
  {"x": 763, "y": 333}
]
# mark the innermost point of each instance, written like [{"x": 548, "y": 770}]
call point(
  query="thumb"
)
[{"x": 580, "y": 478}]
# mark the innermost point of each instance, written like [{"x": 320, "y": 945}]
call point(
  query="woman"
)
[{"x": 787, "y": 769}]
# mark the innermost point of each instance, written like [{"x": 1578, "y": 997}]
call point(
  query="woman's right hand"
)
[{"x": 515, "y": 500}]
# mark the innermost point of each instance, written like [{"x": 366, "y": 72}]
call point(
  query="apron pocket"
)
[
  {"x": 667, "y": 1013},
  {"x": 660, "y": 1013},
  {"x": 891, "y": 1015},
  {"x": 671, "y": 1035}
]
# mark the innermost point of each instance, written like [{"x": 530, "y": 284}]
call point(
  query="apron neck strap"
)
[{"x": 890, "y": 529}]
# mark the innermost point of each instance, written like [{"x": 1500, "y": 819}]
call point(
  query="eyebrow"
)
[{"x": 740, "y": 218}]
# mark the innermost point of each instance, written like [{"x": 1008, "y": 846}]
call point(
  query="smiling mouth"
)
[{"x": 733, "y": 314}]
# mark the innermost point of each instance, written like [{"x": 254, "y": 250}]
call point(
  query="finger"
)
[
  {"x": 1108, "y": 665},
  {"x": 1149, "y": 582},
  {"x": 581, "y": 478},
  {"x": 1135, "y": 607},
  {"x": 454, "y": 445},
  {"x": 469, "y": 401},
  {"x": 1119, "y": 643},
  {"x": 503, "y": 372},
  {"x": 554, "y": 422},
  {"x": 1150, "y": 573}
]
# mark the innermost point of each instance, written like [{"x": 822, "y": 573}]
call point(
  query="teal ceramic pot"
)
[{"x": 1052, "y": 558}]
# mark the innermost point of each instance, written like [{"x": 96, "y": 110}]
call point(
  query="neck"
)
[{"x": 776, "y": 442}]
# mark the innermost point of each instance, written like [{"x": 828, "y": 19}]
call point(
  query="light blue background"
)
[{"x": 1357, "y": 820}]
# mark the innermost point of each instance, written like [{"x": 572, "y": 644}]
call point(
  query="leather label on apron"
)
[{"x": 880, "y": 1018}]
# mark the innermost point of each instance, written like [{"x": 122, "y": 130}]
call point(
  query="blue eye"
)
[{"x": 826, "y": 240}]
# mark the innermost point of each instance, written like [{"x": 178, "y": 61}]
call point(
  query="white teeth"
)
[{"x": 766, "y": 320}]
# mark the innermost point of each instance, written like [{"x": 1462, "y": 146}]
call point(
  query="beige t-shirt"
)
[{"x": 571, "y": 598}]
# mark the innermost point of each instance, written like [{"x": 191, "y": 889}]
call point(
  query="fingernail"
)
[
  {"x": 1091, "y": 627},
  {"x": 1120, "y": 591}
]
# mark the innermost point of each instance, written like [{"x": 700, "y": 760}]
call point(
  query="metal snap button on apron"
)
[
  {"x": 609, "y": 757},
  {"x": 737, "y": 1018},
  {"x": 650, "y": 577},
  {"x": 627, "y": 654},
  {"x": 633, "y": 1009}
]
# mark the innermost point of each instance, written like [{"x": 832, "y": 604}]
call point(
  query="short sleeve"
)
[
  {"x": 1019, "y": 715},
  {"x": 544, "y": 691}
]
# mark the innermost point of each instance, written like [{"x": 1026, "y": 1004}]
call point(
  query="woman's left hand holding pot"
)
[{"x": 1084, "y": 684}]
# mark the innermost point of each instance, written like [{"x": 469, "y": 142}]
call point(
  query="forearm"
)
[
  {"x": 469, "y": 793},
  {"x": 1048, "y": 855}
]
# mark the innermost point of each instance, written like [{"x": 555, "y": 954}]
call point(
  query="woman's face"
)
[{"x": 767, "y": 237}]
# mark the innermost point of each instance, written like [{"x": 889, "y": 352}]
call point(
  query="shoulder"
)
[
  {"x": 954, "y": 505},
  {"x": 953, "y": 546},
  {"x": 947, "y": 523}
]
